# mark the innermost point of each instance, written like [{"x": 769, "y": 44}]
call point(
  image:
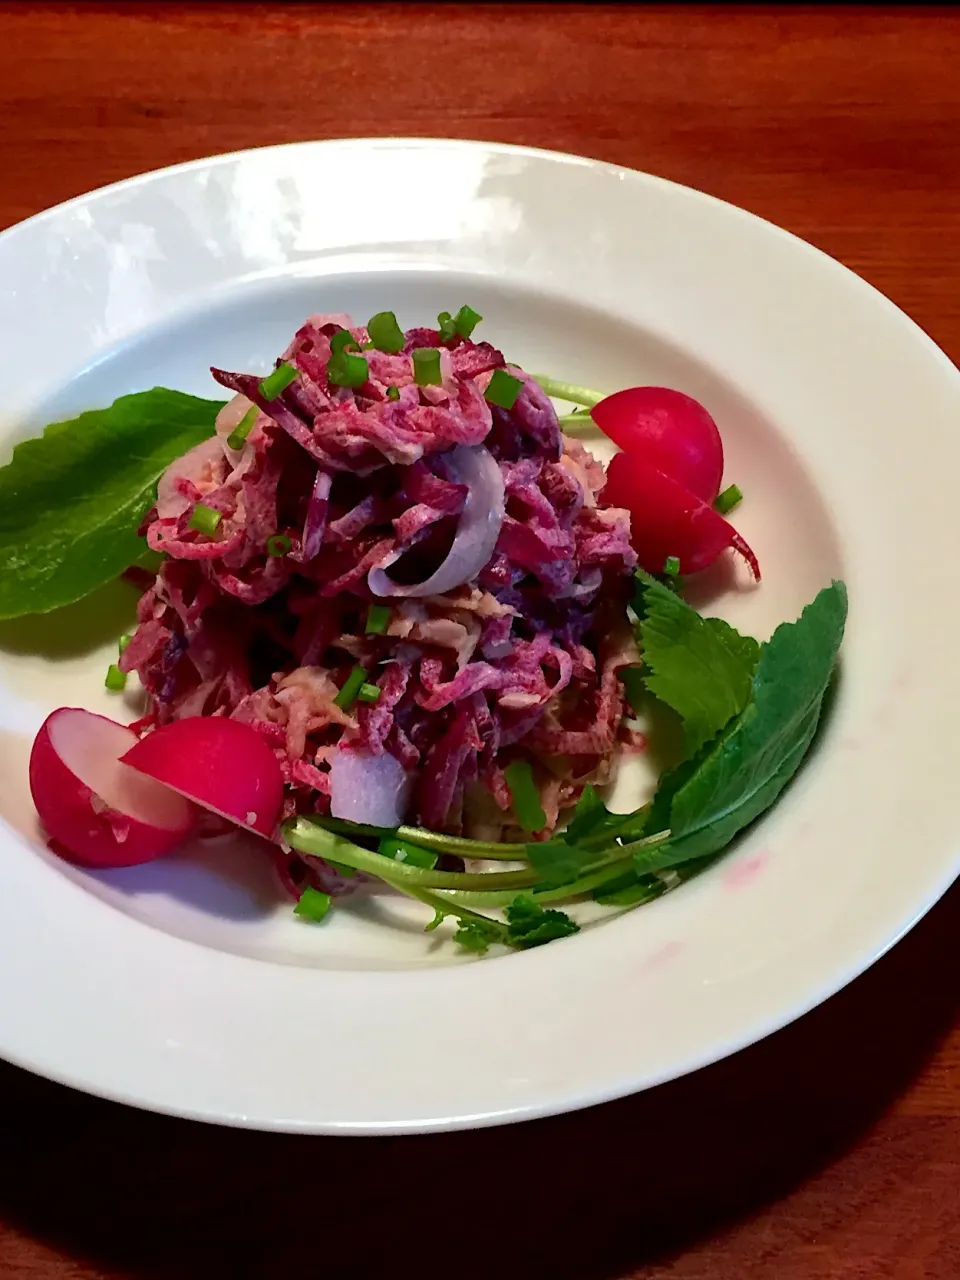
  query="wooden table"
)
[{"x": 830, "y": 1151}]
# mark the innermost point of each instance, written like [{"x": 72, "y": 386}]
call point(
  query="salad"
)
[{"x": 397, "y": 620}]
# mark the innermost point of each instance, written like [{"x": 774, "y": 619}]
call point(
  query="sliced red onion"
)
[
  {"x": 479, "y": 528},
  {"x": 368, "y": 788},
  {"x": 316, "y": 521}
]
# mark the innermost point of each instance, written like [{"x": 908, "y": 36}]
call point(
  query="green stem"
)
[
  {"x": 621, "y": 859},
  {"x": 306, "y": 836},
  {"x": 450, "y": 907},
  {"x": 573, "y": 424},
  {"x": 425, "y": 839},
  {"x": 568, "y": 391}
]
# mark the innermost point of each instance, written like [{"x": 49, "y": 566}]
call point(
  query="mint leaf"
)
[
  {"x": 748, "y": 766},
  {"x": 530, "y": 925},
  {"x": 71, "y": 500},
  {"x": 701, "y": 667}
]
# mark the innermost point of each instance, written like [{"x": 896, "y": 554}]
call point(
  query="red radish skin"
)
[
  {"x": 221, "y": 764},
  {"x": 667, "y": 430},
  {"x": 99, "y": 812},
  {"x": 668, "y": 520}
]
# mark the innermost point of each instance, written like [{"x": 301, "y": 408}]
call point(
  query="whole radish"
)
[{"x": 667, "y": 430}]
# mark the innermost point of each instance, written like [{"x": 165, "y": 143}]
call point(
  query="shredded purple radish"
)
[{"x": 478, "y": 529}]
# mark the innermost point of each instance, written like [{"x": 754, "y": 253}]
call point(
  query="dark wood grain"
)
[{"x": 830, "y": 1151}]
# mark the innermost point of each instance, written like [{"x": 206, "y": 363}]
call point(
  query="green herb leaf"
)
[
  {"x": 71, "y": 500},
  {"x": 701, "y": 667},
  {"x": 478, "y": 935},
  {"x": 530, "y": 925},
  {"x": 633, "y": 686},
  {"x": 558, "y": 862},
  {"x": 587, "y": 816},
  {"x": 593, "y": 823},
  {"x": 629, "y": 890},
  {"x": 748, "y": 766}
]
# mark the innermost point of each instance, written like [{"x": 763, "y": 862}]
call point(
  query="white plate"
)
[{"x": 186, "y": 986}]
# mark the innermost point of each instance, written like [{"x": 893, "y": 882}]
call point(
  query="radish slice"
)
[
  {"x": 667, "y": 430},
  {"x": 221, "y": 764},
  {"x": 668, "y": 520},
  {"x": 100, "y": 812}
]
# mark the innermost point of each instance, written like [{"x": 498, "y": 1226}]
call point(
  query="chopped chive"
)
[
  {"x": 726, "y": 501},
  {"x": 526, "y": 796},
  {"x": 447, "y": 326},
  {"x": 205, "y": 519},
  {"x": 345, "y": 370},
  {"x": 466, "y": 320},
  {"x": 403, "y": 851},
  {"x": 278, "y": 545},
  {"x": 277, "y": 381},
  {"x": 426, "y": 367},
  {"x": 351, "y": 687},
  {"x": 503, "y": 389},
  {"x": 116, "y": 679},
  {"x": 312, "y": 905},
  {"x": 385, "y": 333},
  {"x": 368, "y": 693},
  {"x": 378, "y": 619},
  {"x": 671, "y": 566},
  {"x": 393, "y": 393},
  {"x": 343, "y": 340},
  {"x": 123, "y": 642},
  {"x": 238, "y": 436}
]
